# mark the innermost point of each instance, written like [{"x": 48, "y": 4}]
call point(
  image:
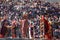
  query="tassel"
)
[
  {"x": 1, "y": 36},
  {"x": 13, "y": 36}
]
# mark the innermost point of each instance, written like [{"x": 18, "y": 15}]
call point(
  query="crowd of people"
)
[{"x": 21, "y": 19}]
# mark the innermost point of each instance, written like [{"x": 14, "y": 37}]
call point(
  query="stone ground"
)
[{"x": 23, "y": 39}]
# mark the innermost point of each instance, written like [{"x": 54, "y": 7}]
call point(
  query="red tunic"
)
[{"x": 47, "y": 27}]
